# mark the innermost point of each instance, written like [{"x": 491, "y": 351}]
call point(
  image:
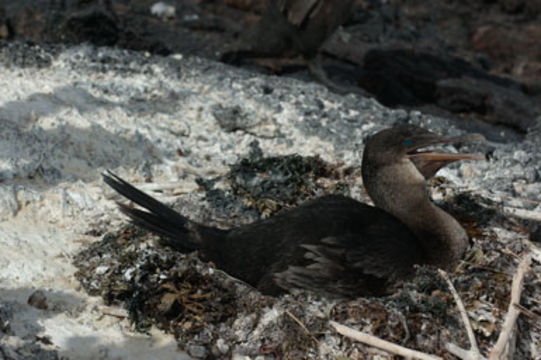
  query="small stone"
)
[
  {"x": 38, "y": 300},
  {"x": 222, "y": 346},
  {"x": 102, "y": 269},
  {"x": 468, "y": 171},
  {"x": 197, "y": 351},
  {"x": 4, "y": 31},
  {"x": 521, "y": 156},
  {"x": 233, "y": 118},
  {"x": 187, "y": 325},
  {"x": 163, "y": 10}
]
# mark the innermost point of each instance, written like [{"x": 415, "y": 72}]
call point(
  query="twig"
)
[
  {"x": 458, "y": 351},
  {"x": 119, "y": 316},
  {"x": 406, "y": 329},
  {"x": 528, "y": 312},
  {"x": 382, "y": 344},
  {"x": 504, "y": 340},
  {"x": 512, "y": 312},
  {"x": 510, "y": 253},
  {"x": 296, "y": 319},
  {"x": 114, "y": 312},
  {"x": 170, "y": 187},
  {"x": 523, "y": 213},
  {"x": 474, "y": 350},
  {"x": 486, "y": 268}
]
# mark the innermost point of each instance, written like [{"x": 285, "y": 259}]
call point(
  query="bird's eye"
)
[{"x": 408, "y": 142}]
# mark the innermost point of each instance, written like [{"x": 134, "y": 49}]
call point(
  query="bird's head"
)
[
  {"x": 397, "y": 161},
  {"x": 413, "y": 143}
]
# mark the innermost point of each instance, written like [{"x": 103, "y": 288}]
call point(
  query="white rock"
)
[{"x": 163, "y": 10}]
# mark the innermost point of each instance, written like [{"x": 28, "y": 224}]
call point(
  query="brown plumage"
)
[
  {"x": 292, "y": 28},
  {"x": 333, "y": 245},
  {"x": 297, "y": 27}
]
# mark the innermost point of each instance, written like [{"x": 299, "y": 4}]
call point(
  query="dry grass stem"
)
[
  {"x": 474, "y": 350},
  {"x": 523, "y": 213},
  {"x": 459, "y": 352},
  {"x": 296, "y": 319},
  {"x": 512, "y": 312},
  {"x": 376, "y": 342}
]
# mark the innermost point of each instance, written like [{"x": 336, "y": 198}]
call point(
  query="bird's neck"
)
[{"x": 442, "y": 238}]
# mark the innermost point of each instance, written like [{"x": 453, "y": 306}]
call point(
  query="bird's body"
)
[
  {"x": 334, "y": 244},
  {"x": 315, "y": 234},
  {"x": 297, "y": 27}
]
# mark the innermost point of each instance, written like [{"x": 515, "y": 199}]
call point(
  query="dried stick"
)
[
  {"x": 504, "y": 339},
  {"x": 474, "y": 350},
  {"x": 512, "y": 312},
  {"x": 300, "y": 323},
  {"x": 523, "y": 213},
  {"x": 459, "y": 352},
  {"x": 528, "y": 312},
  {"x": 381, "y": 344}
]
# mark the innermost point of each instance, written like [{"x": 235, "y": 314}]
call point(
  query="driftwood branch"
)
[
  {"x": 473, "y": 353},
  {"x": 459, "y": 352},
  {"x": 523, "y": 213},
  {"x": 512, "y": 312},
  {"x": 381, "y": 344}
]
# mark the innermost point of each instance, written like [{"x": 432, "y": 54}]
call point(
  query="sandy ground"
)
[{"x": 62, "y": 125}]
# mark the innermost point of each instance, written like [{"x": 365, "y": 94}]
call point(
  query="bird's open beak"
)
[{"x": 428, "y": 162}]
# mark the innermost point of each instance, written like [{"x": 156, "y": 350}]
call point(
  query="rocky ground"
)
[
  {"x": 78, "y": 282},
  {"x": 70, "y": 113},
  {"x": 473, "y": 61}
]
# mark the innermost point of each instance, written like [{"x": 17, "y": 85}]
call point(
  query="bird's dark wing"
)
[{"x": 344, "y": 265}]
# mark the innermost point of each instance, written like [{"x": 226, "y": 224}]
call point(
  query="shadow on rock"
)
[{"x": 37, "y": 145}]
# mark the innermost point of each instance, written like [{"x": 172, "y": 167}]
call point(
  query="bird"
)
[
  {"x": 293, "y": 27},
  {"x": 332, "y": 245},
  {"x": 289, "y": 28}
]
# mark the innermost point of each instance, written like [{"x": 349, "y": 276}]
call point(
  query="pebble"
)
[
  {"x": 38, "y": 300},
  {"x": 197, "y": 351},
  {"x": 163, "y": 10}
]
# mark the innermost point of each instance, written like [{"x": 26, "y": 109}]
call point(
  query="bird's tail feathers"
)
[{"x": 181, "y": 233}]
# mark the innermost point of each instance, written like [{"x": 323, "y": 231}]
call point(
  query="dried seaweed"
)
[
  {"x": 270, "y": 184},
  {"x": 213, "y": 315}
]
